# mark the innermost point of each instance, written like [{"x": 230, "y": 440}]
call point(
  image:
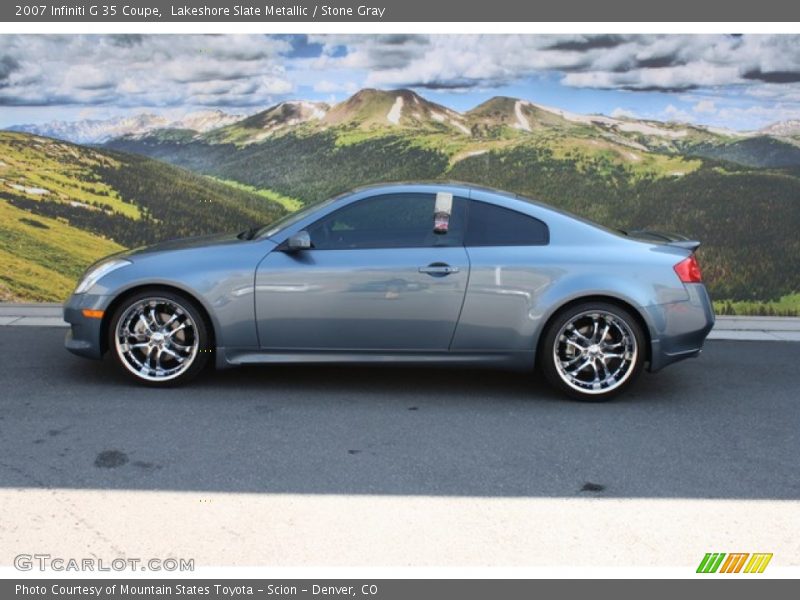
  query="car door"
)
[
  {"x": 376, "y": 278},
  {"x": 510, "y": 267}
]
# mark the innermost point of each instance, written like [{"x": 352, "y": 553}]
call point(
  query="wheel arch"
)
[
  {"x": 133, "y": 290},
  {"x": 637, "y": 313}
]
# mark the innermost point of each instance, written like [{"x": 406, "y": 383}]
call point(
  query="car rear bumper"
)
[
  {"x": 84, "y": 337},
  {"x": 678, "y": 330}
]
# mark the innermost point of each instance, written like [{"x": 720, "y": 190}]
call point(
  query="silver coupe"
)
[{"x": 403, "y": 273}]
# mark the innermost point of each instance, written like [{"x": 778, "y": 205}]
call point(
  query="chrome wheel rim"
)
[
  {"x": 595, "y": 352},
  {"x": 156, "y": 339}
]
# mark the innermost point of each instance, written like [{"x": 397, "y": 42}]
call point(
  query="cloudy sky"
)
[{"x": 740, "y": 82}]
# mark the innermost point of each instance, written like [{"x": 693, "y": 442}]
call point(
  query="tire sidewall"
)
[
  {"x": 546, "y": 359},
  {"x": 203, "y": 352}
]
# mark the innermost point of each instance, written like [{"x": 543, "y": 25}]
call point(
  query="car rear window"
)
[{"x": 490, "y": 225}]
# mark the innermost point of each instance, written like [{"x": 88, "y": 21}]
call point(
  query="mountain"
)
[
  {"x": 365, "y": 112},
  {"x": 766, "y": 147},
  {"x": 63, "y": 206},
  {"x": 403, "y": 135},
  {"x": 269, "y": 122},
  {"x": 736, "y": 193},
  {"x": 500, "y": 113},
  {"x": 96, "y": 131},
  {"x": 371, "y": 112},
  {"x": 205, "y": 120},
  {"x": 761, "y": 151},
  {"x": 788, "y": 128},
  {"x": 397, "y": 109}
]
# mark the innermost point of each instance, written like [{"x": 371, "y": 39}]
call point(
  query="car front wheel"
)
[
  {"x": 592, "y": 351},
  {"x": 159, "y": 338}
]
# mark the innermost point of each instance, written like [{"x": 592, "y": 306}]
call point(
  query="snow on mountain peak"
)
[
  {"x": 782, "y": 128},
  {"x": 97, "y": 131},
  {"x": 393, "y": 116}
]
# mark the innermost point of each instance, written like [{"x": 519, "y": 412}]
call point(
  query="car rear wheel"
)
[
  {"x": 159, "y": 338},
  {"x": 592, "y": 351}
]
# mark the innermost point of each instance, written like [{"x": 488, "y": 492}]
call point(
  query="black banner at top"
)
[{"x": 397, "y": 11}]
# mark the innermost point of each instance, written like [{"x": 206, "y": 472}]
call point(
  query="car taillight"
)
[{"x": 688, "y": 270}]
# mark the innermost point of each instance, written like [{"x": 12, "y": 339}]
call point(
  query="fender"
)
[{"x": 222, "y": 281}]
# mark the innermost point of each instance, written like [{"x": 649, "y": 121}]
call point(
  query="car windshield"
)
[{"x": 290, "y": 219}]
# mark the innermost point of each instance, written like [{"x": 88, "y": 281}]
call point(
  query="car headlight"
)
[{"x": 100, "y": 270}]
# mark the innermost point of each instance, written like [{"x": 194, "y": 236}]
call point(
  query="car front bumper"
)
[
  {"x": 679, "y": 329},
  {"x": 85, "y": 335}
]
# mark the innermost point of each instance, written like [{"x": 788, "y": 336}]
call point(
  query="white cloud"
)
[
  {"x": 673, "y": 113},
  {"x": 716, "y": 76},
  {"x": 326, "y": 86},
  {"x": 623, "y": 113},
  {"x": 635, "y": 62},
  {"x": 777, "y": 92},
  {"x": 705, "y": 107},
  {"x": 761, "y": 114},
  {"x": 677, "y": 77},
  {"x": 446, "y": 61},
  {"x": 158, "y": 70}
]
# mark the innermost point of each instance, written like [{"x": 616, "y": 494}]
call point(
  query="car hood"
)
[{"x": 205, "y": 241}]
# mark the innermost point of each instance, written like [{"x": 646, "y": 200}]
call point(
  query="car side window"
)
[
  {"x": 490, "y": 225},
  {"x": 388, "y": 221}
]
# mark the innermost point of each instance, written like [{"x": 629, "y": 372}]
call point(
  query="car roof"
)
[
  {"x": 444, "y": 185},
  {"x": 454, "y": 185}
]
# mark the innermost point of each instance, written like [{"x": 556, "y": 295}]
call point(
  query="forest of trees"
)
[
  {"x": 311, "y": 168},
  {"x": 747, "y": 218}
]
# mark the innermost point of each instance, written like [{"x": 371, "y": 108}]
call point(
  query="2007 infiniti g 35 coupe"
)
[{"x": 403, "y": 273}]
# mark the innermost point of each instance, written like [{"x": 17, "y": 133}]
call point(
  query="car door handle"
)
[{"x": 438, "y": 269}]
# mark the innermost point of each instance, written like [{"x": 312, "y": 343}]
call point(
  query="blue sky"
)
[{"x": 737, "y": 82}]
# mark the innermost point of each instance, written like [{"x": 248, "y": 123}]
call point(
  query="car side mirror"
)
[{"x": 298, "y": 241}]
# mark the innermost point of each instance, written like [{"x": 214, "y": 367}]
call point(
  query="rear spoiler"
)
[
  {"x": 670, "y": 239},
  {"x": 686, "y": 244}
]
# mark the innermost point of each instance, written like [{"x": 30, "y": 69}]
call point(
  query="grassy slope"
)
[
  {"x": 96, "y": 203},
  {"x": 42, "y": 257},
  {"x": 287, "y": 202},
  {"x": 785, "y": 306},
  {"x": 66, "y": 171}
]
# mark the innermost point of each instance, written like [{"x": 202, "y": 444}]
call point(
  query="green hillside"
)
[
  {"x": 620, "y": 173},
  {"x": 760, "y": 151},
  {"x": 63, "y": 206}
]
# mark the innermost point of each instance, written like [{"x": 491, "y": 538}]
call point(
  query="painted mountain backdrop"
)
[
  {"x": 96, "y": 131},
  {"x": 737, "y": 192}
]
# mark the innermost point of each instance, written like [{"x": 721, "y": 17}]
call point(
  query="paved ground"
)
[{"x": 319, "y": 465}]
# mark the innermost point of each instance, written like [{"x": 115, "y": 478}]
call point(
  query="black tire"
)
[
  {"x": 559, "y": 356},
  {"x": 189, "y": 331}
]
